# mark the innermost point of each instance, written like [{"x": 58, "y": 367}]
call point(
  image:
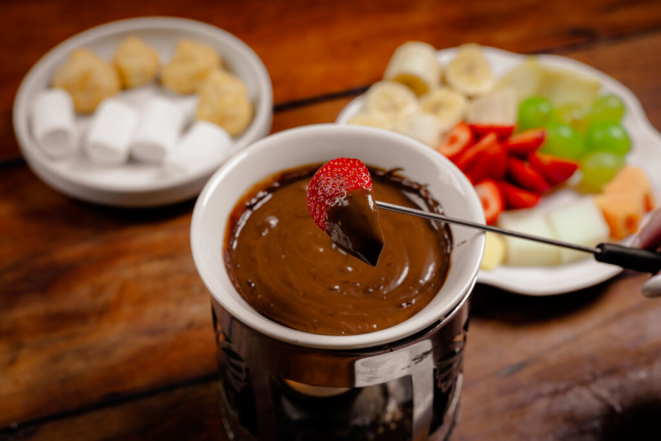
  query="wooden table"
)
[{"x": 105, "y": 326}]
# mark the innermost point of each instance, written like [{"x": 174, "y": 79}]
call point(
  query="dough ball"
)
[
  {"x": 191, "y": 64},
  {"x": 136, "y": 62},
  {"x": 88, "y": 78},
  {"x": 224, "y": 101}
]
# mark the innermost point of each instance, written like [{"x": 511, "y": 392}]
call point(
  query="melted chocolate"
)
[
  {"x": 353, "y": 225},
  {"x": 286, "y": 268}
]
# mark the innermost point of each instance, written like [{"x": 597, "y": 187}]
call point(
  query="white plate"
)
[
  {"x": 543, "y": 281},
  {"x": 135, "y": 184}
]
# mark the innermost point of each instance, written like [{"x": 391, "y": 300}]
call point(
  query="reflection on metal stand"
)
[{"x": 410, "y": 389}]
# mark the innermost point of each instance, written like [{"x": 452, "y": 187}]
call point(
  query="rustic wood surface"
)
[{"x": 106, "y": 329}]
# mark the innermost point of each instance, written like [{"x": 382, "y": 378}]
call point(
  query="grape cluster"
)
[{"x": 593, "y": 135}]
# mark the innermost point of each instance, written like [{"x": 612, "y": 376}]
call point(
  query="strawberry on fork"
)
[{"x": 340, "y": 198}]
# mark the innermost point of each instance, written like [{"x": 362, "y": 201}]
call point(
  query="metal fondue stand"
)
[{"x": 428, "y": 365}]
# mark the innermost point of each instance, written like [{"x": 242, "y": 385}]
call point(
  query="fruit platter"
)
[{"x": 552, "y": 146}]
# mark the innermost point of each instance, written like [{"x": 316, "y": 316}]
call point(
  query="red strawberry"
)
[
  {"x": 492, "y": 199},
  {"x": 526, "y": 176},
  {"x": 525, "y": 142},
  {"x": 456, "y": 141},
  {"x": 340, "y": 199},
  {"x": 502, "y": 132},
  {"x": 492, "y": 163},
  {"x": 331, "y": 183},
  {"x": 516, "y": 198},
  {"x": 555, "y": 169},
  {"x": 466, "y": 159}
]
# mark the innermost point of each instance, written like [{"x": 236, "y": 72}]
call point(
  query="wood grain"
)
[
  {"x": 102, "y": 305},
  {"x": 99, "y": 303},
  {"x": 313, "y": 48},
  {"x": 187, "y": 413},
  {"x": 578, "y": 367}
]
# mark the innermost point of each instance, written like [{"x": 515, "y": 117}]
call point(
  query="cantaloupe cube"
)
[
  {"x": 622, "y": 211},
  {"x": 634, "y": 182},
  {"x": 526, "y": 252},
  {"x": 494, "y": 251},
  {"x": 580, "y": 223}
]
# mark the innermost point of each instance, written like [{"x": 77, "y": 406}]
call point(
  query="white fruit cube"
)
[
  {"x": 581, "y": 223},
  {"x": 526, "y": 252}
]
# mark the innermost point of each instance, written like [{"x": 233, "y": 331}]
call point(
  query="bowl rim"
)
[
  {"x": 272, "y": 329},
  {"x": 21, "y": 108}
]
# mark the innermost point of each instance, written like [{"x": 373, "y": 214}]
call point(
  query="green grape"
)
[
  {"x": 598, "y": 169},
  {"x": 562, "y": 140},
  {"x": 608, "y": 137},
  {"x": 535, "y": 112},
  {"x": 573, "y": 115},
  {"x": 607, "y": 108}
]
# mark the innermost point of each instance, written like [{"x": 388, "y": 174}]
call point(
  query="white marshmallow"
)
[
  {"x": 203, "y": 143},
  {"x": 53, "y": 123},
  {"x": 111, "y": 132},
  {"x": 158, "y": 132}
]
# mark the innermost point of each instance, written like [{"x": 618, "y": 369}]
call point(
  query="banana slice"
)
[
  {"x": 424, "y": 127},
  {"x": 371, "y": 120},
  {"x": 446, "y": 104},
  {"x": 498, "y": 108},
  {"x": 470, "y": 72},
  {"x": 414, "y": 64},
  {"x": 391, "y": 100}
]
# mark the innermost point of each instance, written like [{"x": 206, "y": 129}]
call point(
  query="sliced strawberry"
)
[
  {"x": 332, "y": 182},
  {"x": 456, "y": 141},
  {"x": 502, "y": 132},
  {"x": 527, "y": 177},
  {"x": 466, "y": 159},
  {"x": 492, "y": 199},
  {"x": 555, "y": 169},
  {"x": 492, "y": 163},
  {"x": 526, "y": 142},
  {"x": 517, "y": 198}
]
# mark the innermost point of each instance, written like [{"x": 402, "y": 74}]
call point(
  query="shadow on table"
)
[
  {"x": 137, "y": 215},
  {"x": 492, "y": 303},
  {"x": 638, "y": 422}
]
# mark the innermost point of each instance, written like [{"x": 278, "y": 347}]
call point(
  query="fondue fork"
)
[{"x": 636, "y": 259}]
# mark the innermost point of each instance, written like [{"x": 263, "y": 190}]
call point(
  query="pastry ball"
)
[
  {"x": 224, "y": 101},
  {"x": 191, "y": 64},
  {"x": 136, "y": 62},
  {"x": 88, "y": 78}
]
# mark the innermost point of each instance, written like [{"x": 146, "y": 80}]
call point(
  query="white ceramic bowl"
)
[
  {"x": 317, "y": 144},
  {"x": 136, "y": 184}
]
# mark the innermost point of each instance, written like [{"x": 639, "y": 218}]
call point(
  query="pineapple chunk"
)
[
  {"x": 562, "y": 87},
  {"x": 581, "y": 223},
  {"x": 633, "y": 182},
  {"x": 526, "y": 252},
  {"x": 623, "y": 213},
  {"x": 523, "y": 79},
  {"x": 494, "y": 251}
]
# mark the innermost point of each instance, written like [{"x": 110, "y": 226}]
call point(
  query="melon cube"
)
[
  {"x": 632, "y": 181},
  {"x": 494, "y": 251},
  {"x": 622, "y": 212},
  {"x": 526, "y": 252},
  {"x": 580, "y": 223}
]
